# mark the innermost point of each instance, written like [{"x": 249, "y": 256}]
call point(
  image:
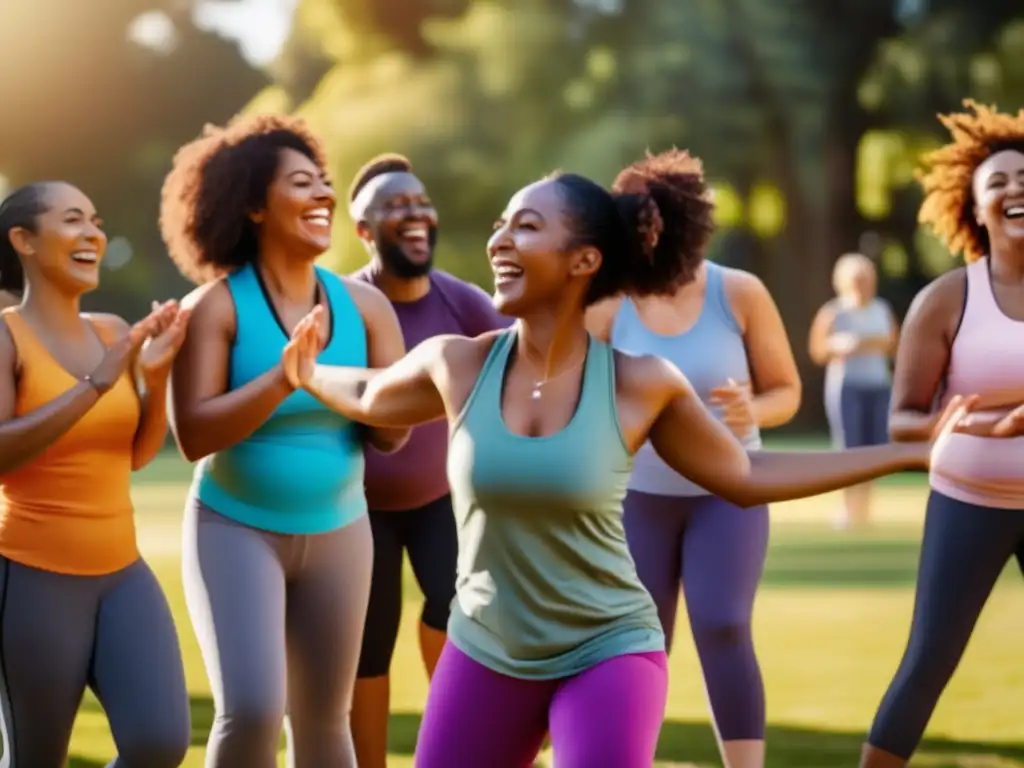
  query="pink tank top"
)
[{"x": 987, "y": 358}]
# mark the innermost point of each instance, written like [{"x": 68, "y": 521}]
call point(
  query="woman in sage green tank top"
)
[{"x": 552, "y": 629}]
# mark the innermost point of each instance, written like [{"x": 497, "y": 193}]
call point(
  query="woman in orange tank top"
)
[
  {"x": 963, "y": 337},
  {"x": 78, "y": 606}
]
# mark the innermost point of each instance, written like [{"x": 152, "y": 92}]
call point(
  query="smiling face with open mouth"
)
[
  {"x": 67, "y": 245},
  {"x": 300, "y": 206},
  {"x": 528, "y": 250},
  {"x": 999, "y": 196},
  {"x": 402, "y": 222}
]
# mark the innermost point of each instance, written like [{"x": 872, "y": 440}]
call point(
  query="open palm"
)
[
  {"x": 167, "y": 325},
  {"x": 299, "y": 356}
]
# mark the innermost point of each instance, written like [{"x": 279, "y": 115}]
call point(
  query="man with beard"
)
[{"x": 407, "y": 491}]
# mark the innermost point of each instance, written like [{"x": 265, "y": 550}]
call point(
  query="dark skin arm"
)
[
  {"x": 384, "y": 346},
  {"x": 696, "y": 445},
  {"x": 205, "y": 416},
  {"x": 923, "y": 356}
]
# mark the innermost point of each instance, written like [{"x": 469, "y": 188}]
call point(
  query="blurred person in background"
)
[
  {"x": 963, "y": 336},
  {"x": 410, "y": 506},
  {"x": 552, "y": 628},
  {"x": 277, "y": 550},
  {"x": 855, "y": 336},
  {"x": 721, "y": 328},
  {"x": 82, "y": 406}
]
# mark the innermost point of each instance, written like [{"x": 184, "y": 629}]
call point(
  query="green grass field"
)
[{"x": 830, "y": 623}]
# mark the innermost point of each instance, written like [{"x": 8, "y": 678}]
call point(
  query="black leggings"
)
[
  {"x": 429, "y": 536},
  {"x": 964, "y": 551},
  {"x": 114, "y": 634}
]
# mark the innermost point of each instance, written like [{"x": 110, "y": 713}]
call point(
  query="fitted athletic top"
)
[
  {"x": 546, "y": 586},
  {"x": 69, "y": 510},
  {"x": 301, "y": 472},
  {"x": 987, "y": 357},
  {"x": 710, "y": 353},
  {"x": 414, "y": 475},
  {"x": 867, "y": 370}
]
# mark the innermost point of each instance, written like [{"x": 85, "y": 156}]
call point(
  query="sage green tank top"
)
[{"x": 546, "y": 586}]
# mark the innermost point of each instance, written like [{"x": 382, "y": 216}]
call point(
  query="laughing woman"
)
[{"x": 277, "y": 551}]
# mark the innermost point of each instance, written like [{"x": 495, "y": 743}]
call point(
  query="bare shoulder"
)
[
  {"x": 212, "y": 307},
  {"x": 743, "y": 289},
  {"x": 600, "y": 317},
  {"x": 650, "y": 375},
  {"x": 462, "y": 355},
  {"x": 943, "y": 295},
  {"x": 368, "y": 298}
]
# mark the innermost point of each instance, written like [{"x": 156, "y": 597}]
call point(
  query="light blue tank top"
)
[
  {"x": 708, "y": 354},
  {"x": 871, "y": 369},
  {"x": 546, "y": 585},
  {"x": 302, "y": 471}
]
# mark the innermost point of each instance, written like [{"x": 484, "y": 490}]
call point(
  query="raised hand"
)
[
  {"x": 164, "y": 330},
  {"x": 736, "y": 402},
  {"x": 299, "y": 356}
]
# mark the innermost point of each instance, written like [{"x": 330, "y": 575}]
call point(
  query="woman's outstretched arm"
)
[
  {"x": 696, "y": 445},
  {"x": 402, "y": 395}
]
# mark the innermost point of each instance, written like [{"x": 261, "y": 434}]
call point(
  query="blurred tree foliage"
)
[
  {"x": 92, "y": 106},
  {"x": 810, "y": 116}
]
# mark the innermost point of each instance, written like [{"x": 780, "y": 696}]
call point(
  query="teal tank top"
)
[
  {"x": 546, "y": 585},
  {"x": 301, "y": 472}
]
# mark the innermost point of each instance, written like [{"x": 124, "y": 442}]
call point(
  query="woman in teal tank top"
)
[
  {"x": 552, "y": 629},
  {"x": 277, "y": 549}
]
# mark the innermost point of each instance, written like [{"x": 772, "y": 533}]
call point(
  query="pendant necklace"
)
[{"x": 536, "y": 393}]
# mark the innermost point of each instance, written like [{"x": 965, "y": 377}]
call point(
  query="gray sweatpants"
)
[
  {"x": 279, "y": 619},
  {"x": 114, "y": 633}
]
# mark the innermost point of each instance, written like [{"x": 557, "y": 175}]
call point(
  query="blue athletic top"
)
[
  {"x": 708, "y": 354},
  {"x": 301, "y": 472}
]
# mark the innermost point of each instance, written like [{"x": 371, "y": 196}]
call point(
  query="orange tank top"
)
[
  {"x": 69, "y": 510},
  {"x": 987, "y": 358}
]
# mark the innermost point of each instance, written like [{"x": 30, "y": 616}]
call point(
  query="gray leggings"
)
[
  {"x": 279, "y": 619},
  {"x": 114, "y": 634}
]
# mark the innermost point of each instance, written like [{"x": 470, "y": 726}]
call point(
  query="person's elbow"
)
[
  {"x": 792, "y": 397},
  {"x": 189, "y": 440},
  {"x": 734, "y": 484}
]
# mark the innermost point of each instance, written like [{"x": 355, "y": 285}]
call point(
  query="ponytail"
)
[{"x": 19, "y": 209}]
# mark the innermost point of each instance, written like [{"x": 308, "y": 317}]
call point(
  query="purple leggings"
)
[
  {"x": 718, "y": 551},
  {"x": 609, "y": 714}
]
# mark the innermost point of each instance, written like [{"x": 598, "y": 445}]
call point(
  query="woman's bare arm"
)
[
  {"x": 406, "y": 394},
  {"x": 923, "y": 356},
  {"x": 205, "y": 416},
  {"x": 152, "y": 429},
  {"x": 691, "y": 441},
  {"x": 385, "y": 346},
  {"x": 776, "y": 382}
]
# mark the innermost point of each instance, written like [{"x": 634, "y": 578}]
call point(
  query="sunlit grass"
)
[{"x": 830, "y": 623}]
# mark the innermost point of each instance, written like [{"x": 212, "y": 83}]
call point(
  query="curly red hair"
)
[{"x": 948, "y": 207}]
